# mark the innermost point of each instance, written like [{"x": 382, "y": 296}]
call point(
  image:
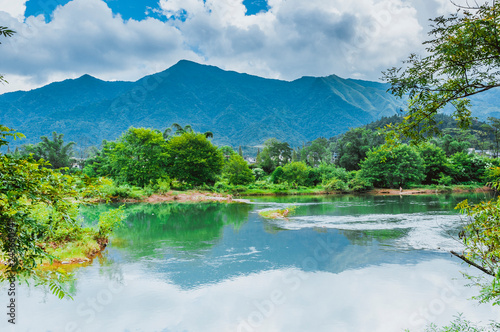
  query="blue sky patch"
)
[
  {"x": 128, "y": 9},
  {"x": 256, "y": 6}
]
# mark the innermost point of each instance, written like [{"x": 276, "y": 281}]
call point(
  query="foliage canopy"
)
[{"x": 463, "y": 60}]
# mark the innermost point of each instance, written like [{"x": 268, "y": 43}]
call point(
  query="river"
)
[{"x": 340, "y": 263}]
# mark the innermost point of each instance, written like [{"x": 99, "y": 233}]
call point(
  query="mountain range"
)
[{"x": 239, "y": 109}]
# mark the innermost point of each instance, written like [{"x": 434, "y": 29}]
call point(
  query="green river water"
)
[{"x": 340, "y": 263}]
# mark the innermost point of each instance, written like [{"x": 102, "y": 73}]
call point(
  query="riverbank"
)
[
  {"x": 430, "y": 191},
  {"x": 194, "y": 196}
]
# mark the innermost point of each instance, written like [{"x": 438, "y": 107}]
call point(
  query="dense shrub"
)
[
  {"x": 393, "y": 167},
  {"x": 237, "y": 172},
  {"x": 336, "y": 185},
  {"x": 296, "y": 173}
]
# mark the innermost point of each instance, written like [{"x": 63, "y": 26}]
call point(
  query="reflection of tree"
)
[
  {"x": 67, "y": 275},
  {"x": 185, "y": 227}
]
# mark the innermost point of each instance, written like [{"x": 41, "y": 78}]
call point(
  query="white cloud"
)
[
  {"x": 296, "y": 38},
  {"x": 14, "y": 8},
  {"x": 84, "y": 37},
  {"x": 293, "y": 39}
]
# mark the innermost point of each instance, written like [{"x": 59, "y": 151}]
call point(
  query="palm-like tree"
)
[
  {"x": 179, "y": 130},
  {"x": 55, "y": 151},
  {"x": 5, "y": 32}
]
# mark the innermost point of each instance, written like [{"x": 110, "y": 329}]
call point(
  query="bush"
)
[
  {"x": 258, "y": 173},
  {"x": 295, "y": 173},
  {"x": 313, "y": 177},
  {"x": 237, "y": 172},
  {"x": 336, "y": 185},
  {"x": 393, "y": 167},
  {"x": 360, "y": 184},
  {"x": 220, "y": 187},
  {"x": 329, "y": 172},
  {"x": 277, "y": 175},
  {"x": 445, "y": 180},
  {"x": 194, "y": 159},
  {"x": 123, "y": 191},
  {"x": 180, "y": 185},
  {"x": 163, "y": 185}
]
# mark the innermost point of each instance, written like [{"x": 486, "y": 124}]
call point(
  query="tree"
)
[
  {"x": 435, "y": 162},
  {"x": 193, "y": 159},
  {"x": 179, "y": 130},
  {"x": 38, "y": 206},
  {"x": 54, "y": 150},
  {"x": 354, "y": 145},
  {"x": 468, "y": 167},
  {"x": 296, "y": 173},
  {"x": 237, "y": 171},
  {"x": 393, "y": 167},
  {"x": 139, "y": 156},
  {"x": 452, "y": 145},
  {"x": 315, "y": 152},
  {"x": 274, "y": 154},
  {"x": 494, "y": 128},
  {"x": 227, "y": 152},
  {"x": 463, "y": 60},
  {"x": 5, "y": 32}
]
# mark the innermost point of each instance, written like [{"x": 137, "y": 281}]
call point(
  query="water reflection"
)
[{"x": 345, "y": 263}]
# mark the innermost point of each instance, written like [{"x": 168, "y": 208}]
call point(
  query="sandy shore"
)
[{"x": 417, "y": 191}]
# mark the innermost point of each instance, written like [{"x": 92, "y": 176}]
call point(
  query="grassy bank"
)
[{"x": 230, "y": 194}]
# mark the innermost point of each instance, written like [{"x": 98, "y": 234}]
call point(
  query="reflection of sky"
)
[
  {"x": 388, "y": 297},
  {"x": 252, "y": 250},
  {"x": 261, "y": 277}
]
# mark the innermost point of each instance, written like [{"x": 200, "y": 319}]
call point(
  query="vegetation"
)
[
  {"x": 393, "y": 168},
  {"x": 193, "y": 159},
  {"x": 237, "y": 171},
  {"x": 278, "y": 213},
  {"x": 463, "y": 60},
  {"x": 38, "y": 214},
  {"x": 5, "y": 32}
]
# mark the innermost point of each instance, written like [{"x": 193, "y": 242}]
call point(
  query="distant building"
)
[
  {"x": 487, "y": 153},
  {"x": 250, "y": 160},
  {"x": 77, "y": 162}
]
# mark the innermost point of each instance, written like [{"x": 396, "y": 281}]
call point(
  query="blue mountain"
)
[{"x": 239, "y": 109}]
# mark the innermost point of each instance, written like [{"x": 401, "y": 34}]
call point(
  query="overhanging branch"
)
[{"x": 468, "y": 261}]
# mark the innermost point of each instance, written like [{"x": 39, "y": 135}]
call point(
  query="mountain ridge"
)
[{"x": 240, "y": 109}]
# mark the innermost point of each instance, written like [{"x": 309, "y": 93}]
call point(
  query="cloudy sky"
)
[{"x": 284, "y": 39}]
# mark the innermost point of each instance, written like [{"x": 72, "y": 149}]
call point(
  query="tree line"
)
[{"x": 357, "y": 160}]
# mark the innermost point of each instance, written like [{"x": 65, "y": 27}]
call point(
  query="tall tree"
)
[
  {"x": 5, "y": 32},
  {"x": 274, "y": 154},
  {"x": 353, "y": 146},
  {"x": 435, "y": 162},
  {"x": 463, "y": 60},
  {"x": 193, "y": 159},
  {"x": 393, "y": 167},
  {"x": 55, "y": 151},
  {"x": 494, "y": 128},
  {"x": 139, "y": 156},
  {"x": 237, "y": 171},
  {"x": 179, "y": 130},
  {"x": 315, "y": 152}
]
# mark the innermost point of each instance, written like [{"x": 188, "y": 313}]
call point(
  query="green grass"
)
[
  {"x": 278, "y": 213},
  {"x": 81, "y": 249}
]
